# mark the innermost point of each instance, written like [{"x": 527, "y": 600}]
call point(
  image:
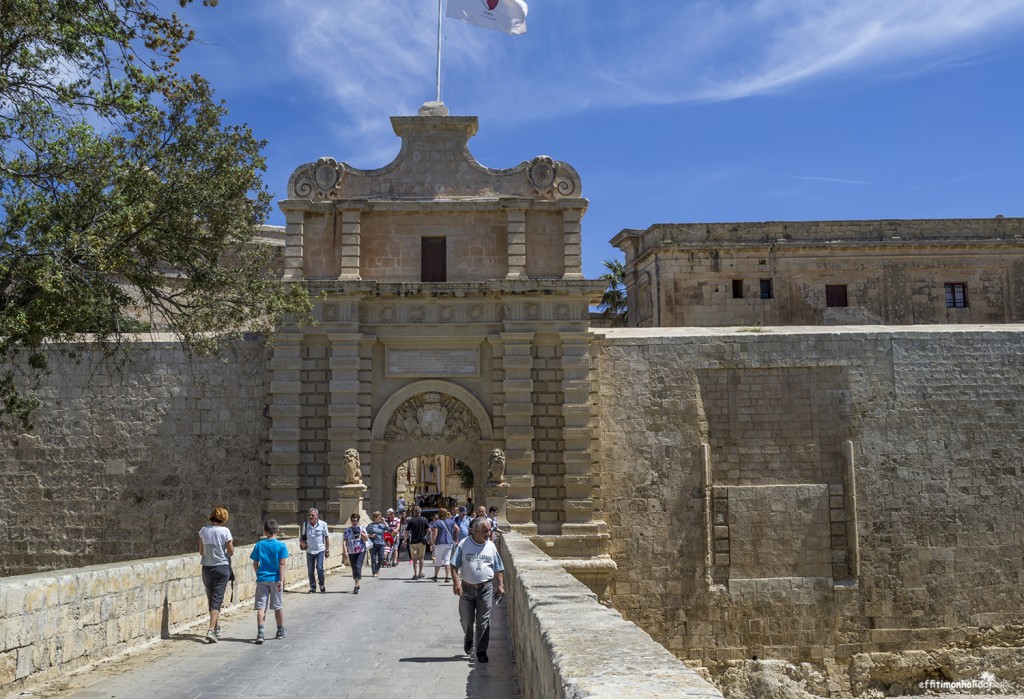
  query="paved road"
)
[{"x": 398, "y": 637}]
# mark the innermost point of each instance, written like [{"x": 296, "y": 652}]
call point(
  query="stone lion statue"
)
[
  {"x": 350, "y": 462},
  {"x": 496, "y": 467}
]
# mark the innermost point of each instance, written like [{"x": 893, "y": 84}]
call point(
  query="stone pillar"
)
[
  {"x": 572, "y": 235},
  {"x": 496, "y": 495},
  {"x": 294, "y": 222},
  {"x": 350, "y": 499},
  {"x": 343, "y": 412},
  {"x": 350, "y": 242},
  {"x": 577, "y": 418},
  {"x": 284, "y": 412},
  {"x": 517, "y": 362},
  {"x": 516, "y": 244}
]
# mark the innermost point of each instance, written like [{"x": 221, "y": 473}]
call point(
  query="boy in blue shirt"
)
[{"x": 268, "y": 561}]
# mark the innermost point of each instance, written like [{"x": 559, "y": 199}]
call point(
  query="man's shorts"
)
[
  {"x": 267, "y": 594},
  {"x": 417, "y": 551}
]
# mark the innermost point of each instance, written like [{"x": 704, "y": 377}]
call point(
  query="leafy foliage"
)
[
  {"x": 613, "y": 301},
  {"x": 125, "y": 195}
]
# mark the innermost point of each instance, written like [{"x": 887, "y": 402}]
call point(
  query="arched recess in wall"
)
[{"x": 425, "y": 417}]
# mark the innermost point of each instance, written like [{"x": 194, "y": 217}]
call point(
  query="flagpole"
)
[{"x": 440, "y": 3}]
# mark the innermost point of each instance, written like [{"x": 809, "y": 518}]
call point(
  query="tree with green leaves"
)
[
  {"x": 124, "y": 192},
  {"x": 613, "y": 301}
]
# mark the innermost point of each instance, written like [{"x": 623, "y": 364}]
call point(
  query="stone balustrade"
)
[
  {"x": 56, "y": 622},
  {"x": 569, "y": 645}
]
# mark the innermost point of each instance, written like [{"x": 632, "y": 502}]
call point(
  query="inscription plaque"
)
[{"x": 433, "y": 362}]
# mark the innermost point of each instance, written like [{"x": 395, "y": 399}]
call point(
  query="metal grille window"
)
[
  {"x": 766, "y": 289},
  {"x": 835, "y": 296},
  {"x": 956, "y": 295}
]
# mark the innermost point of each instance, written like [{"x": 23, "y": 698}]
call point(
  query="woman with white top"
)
[{"x": 216, "y": 547}]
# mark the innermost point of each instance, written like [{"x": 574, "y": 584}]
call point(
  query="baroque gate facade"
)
[{"x": 452, "y": 317}]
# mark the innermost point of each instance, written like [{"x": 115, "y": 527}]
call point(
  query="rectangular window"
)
[
  {"x": 766, "y": 289},
  {"x": 835, "y": 296},
  {"x": 433, "y": 260},
  {"x": 737, "y": 288},
  {"x": 956, "y": 295}
]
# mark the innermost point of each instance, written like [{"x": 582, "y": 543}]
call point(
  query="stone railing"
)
[
  {"x": 56, "y": 622},
  {"x": 568, "y": 645}
]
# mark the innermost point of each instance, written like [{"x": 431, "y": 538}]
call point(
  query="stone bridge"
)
[{"x": 563, "y": 642}]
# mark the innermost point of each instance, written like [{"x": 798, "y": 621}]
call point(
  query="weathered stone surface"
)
[
  {"x": 568, "y": 645},
  {"x": 84, "y": 615}
]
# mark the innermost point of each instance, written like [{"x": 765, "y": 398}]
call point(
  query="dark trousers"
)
[
  {"x": 475, "y": 614},
  {"x": 356, "y": 560},
  {"x": 215, "y": 578},
  {"x": 315, "y": 568},
  {"x": 376, "y": 557}
]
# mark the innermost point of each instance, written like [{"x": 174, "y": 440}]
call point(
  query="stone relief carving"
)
[
  {"x": 551, "y": 178},
  {"x": 496, "y": 467},
  {"x": 350, "y": 466},
  {"x": 532, "y": 311},
  {"x": 318, "y": 180},
  {"x": 417, "y": 314},
  {"x": 434, "y": 418}
]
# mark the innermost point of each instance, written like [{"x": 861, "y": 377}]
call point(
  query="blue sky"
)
[{"x": 672, "y": 112}]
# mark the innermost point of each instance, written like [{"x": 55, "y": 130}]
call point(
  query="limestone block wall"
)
[
  {"x": 876, "y": 508},
  {"x": 127, "y": 464},
  {"x": 476, "y": 243},
  {"x": 567, "y": 644},
  {"x": 893, "y": 272},
  {"x": 56, "y": 622}
]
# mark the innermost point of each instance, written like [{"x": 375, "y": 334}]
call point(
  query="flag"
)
[{"x": 507, "y": 16}]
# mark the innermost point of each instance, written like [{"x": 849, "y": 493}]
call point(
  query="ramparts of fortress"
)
[{"x": 825, "y": 494}]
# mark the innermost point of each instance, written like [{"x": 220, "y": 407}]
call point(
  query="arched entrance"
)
[
  {"x": 424, "y": 418},
  {"x": 435, "y": 479}
]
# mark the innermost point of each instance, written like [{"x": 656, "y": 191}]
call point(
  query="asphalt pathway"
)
[{"x": 397, "y": 637}]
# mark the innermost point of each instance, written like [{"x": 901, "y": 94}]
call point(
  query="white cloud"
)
[{"x": 371, "y": 59}]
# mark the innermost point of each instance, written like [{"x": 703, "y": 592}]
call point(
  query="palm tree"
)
[{"x": 613, "y": 301}]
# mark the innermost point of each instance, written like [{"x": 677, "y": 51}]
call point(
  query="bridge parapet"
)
[
  {"x": 567, "y": 644},
  {"x": 54, "y": 623}
]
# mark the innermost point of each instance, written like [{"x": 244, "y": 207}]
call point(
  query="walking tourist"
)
[
  {"x": 216, "y": 547},
  {"x": 492, "y": 514},
  {"x": 268, "y": 562},
  {"x": 315, "y": 540},
  {"x": 416, "y": 535},
  {"x": 461, "y": 522},
  {"x": 477, "y": 577},
  {"x": 354, "y": 543},
  {"x": 401, "y": 505},
  {"x": 376, "y": 531},
  {"x": 396, "y": 525},
  {"x": 442, "y": 536}
]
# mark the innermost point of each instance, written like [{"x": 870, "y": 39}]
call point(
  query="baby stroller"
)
[{"x": 389, "y": 544}]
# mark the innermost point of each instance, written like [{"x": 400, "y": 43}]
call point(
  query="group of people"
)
[{"x": 462, "y": 545}]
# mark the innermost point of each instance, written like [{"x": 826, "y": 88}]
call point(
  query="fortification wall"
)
[
  {"x": 865, "y": 487},
  {"x": 127, "y": 463}
]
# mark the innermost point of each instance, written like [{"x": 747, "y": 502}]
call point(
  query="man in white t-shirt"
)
[
  {"x": 316, "y": 541},
  {"x": 476, "y": 570}
]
